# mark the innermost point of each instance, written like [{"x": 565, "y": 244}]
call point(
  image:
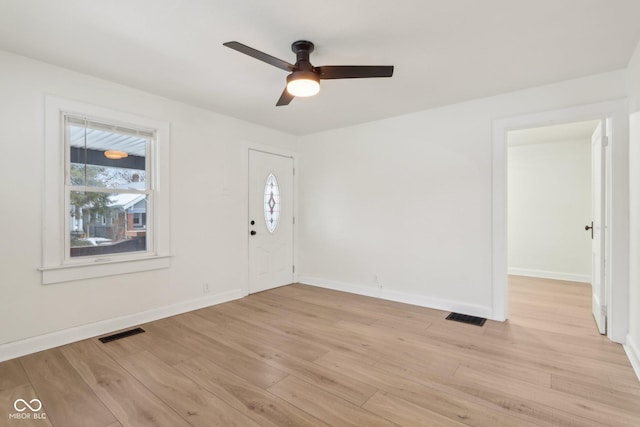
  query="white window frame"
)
[{"x": 56, "y": 265}]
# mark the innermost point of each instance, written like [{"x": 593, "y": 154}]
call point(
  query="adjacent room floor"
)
[{"x": 300, "y": 355}]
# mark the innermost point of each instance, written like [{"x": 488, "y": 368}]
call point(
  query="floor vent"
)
[
  {"x": 121, "y": 335},
  {"x": 472, "y": 320}
]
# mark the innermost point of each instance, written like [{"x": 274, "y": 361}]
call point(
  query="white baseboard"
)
[
  {"x": 407, "y": 298},
  {"x": 15, "y": 349},
  {"x": 633, "y": 353},
  {"x": 569, "y": 277}
]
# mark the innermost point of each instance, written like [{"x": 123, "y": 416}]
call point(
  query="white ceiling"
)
[
  {"x": 554, "y": 133},
  {"x": 443, "y": 51}
]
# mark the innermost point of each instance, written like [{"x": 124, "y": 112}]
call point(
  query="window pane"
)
[
  {"x": 125, "y": 232},
  {"x": 107, "y": 156},
  {"x": 105, "y": 177},
  {"x": 271, "y": 203}
]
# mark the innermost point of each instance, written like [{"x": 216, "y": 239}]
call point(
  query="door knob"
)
[
  {"x": 587, "y": 228},
  {"x": 253, "y": 232}
]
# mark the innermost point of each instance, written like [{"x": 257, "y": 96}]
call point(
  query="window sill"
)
[{"x": 69, "y": 273}]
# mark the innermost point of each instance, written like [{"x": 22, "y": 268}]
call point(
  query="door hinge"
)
[
  {"x": 294, "y": 268},
  {"x": 294, "y": 171},
  {"x": 605, "y": 141},
  {"x": 603, "y": 310},
  {"x": 294, "y": 219}
]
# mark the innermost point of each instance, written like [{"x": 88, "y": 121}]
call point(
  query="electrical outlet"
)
[{"x": 205, "y": 288}]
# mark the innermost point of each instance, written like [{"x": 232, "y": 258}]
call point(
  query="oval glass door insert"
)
[{"x": 271, "y": 203}]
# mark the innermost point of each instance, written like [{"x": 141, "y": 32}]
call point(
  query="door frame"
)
[
  {"x": 617, "y": 176},
  {"x": 250, "y": 146}
]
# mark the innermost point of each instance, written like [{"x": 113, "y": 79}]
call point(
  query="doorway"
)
[
  {"x": 556, "y": 208},
  {"x": 617, "y": 179},
  {"x": 270, "y": 227}
]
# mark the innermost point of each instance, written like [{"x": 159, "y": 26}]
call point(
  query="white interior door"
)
[
  {"x": 598, "y": 226},
  {"x": 270, "y": 220}
]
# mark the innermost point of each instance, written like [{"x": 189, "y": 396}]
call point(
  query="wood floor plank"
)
[
  {"x": 598, "y": 413},
  {"x": 129, "y": 401},
  {"x": 349, "y": 389},
  {"x": 414, "y": 355},
  {"x": 262, "y": 406},
  {"x": 193, "y": 402},
  {"x": 513, "y": 404},
  {"x": 514, "y": 333},
  {"x": 324, "y": 405},
  {"x": 280, "y": 323},
  {"x": 597, "y": 393},
  {"x": 406, "y": 413},
  {"x": 314, "y": 311},
  {"x": 405, "y": 345},
  {"x": 357, "y": 303},
  {"x": 68, "y": 400},
  {"x": 626, "y": 379},
  {"x": 517, "y": 371},
  {"x": 451, "y": 404},
  {"x": 406, "y": 325},
  {"x": 12, "y": 374},
  {"x": 242, "y": 365},
  {"x": 531, "y": 353},
  {"x": 164, "y": 345},
  {"x": 626, "y": 382},
  {"x": 255, "y": 333}
]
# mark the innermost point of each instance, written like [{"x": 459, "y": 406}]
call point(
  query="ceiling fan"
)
[{"x": 304, "y": 79}]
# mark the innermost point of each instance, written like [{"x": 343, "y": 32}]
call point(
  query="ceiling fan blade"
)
[
  {"x": 271, "y": 60},
  {"x": 285, "y": 98},
  {"x": 354, "y": 71}
]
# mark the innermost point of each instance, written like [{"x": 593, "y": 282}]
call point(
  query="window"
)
[
  {"x": 106, "y": 169},
  {"x": 271, "y": 203},
  {"x": 98, "y": 165},
  {"x": 139, "y": 220}
]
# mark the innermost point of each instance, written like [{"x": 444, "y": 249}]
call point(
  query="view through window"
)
[{"x": 108, "y": 193}]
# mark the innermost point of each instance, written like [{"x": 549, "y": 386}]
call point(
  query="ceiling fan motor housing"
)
[{"x": 302, "y": 49}]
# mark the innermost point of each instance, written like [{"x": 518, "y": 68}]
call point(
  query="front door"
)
[
  {"x": 270, "y": 225},
  {"x": 598, "y": 226}
]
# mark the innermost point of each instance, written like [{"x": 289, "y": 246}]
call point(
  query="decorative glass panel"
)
[{"x": 271, "y": 203}]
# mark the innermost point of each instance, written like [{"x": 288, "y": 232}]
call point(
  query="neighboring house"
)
[{"x": 126, "y": 217}]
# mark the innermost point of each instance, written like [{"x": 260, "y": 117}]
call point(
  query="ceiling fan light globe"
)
[{"x": 303, "y": 85}]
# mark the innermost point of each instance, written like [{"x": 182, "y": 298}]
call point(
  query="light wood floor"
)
[{"x": 298, "y": 356}]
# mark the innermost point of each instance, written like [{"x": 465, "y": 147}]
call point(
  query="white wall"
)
[
  {"x": 209, "y": 207},
  {"x": 406, "y": 199},
  {"x": 633, "y": 338},
  {"x": 409, "y": 199},
  {"x": 549, "y": 203}
]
